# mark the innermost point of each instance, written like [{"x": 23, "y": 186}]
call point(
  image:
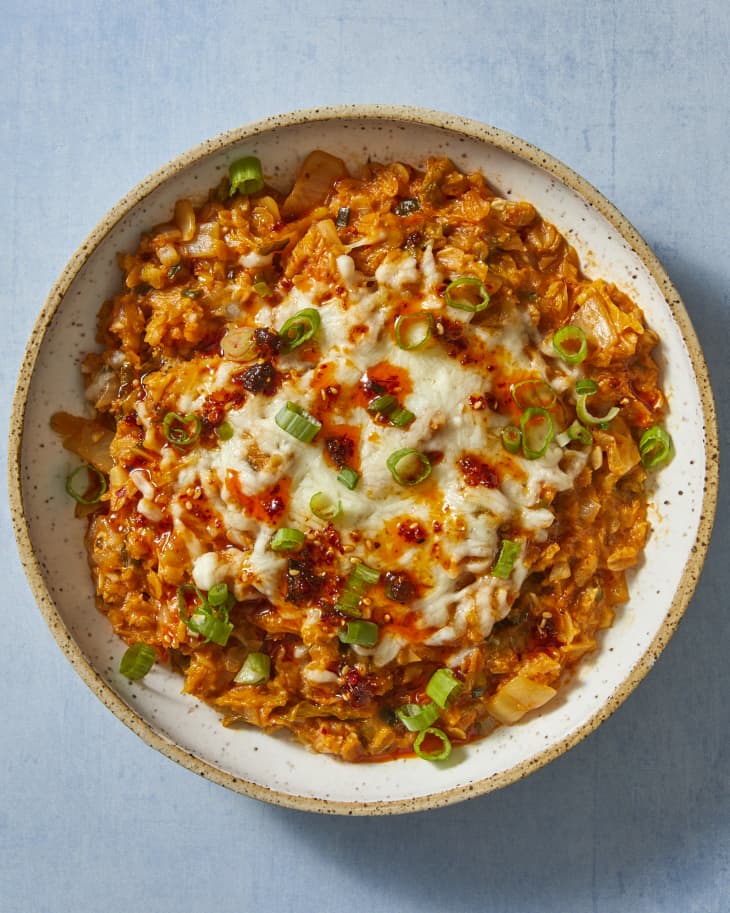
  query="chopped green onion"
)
[
  {"x": 417, "y": 717},
  {"x": 261, "y": 288},
  {"x": 362, "y": 633},
  {"x": 413, "y": 330},
  {"x": 408, "y": 466},
  {"x": 224, "y": 431},
  {"x": 534, "y": 392},
  {"x": 362, "y": 574},
  {"x": 360, "y": 578},
  {"x": 324, "y": 507},
  {"x": 655, "y": 447},
  {"x": 343, "y": 217},
  {"x": 571, "y": 345},
  {"x": 465, "y": 300},
  {"x": 348, "y": 477},
  {"x": 181, "y": 430},
  {"x": 137, "y": 661},
  {"x": 442, "y": 685},
  {"x": 537, "y": 432},
  {"x": 511, "y": 439},
  {"x": 388, "y": 406},
  {"x": 585, "y": 388},
  {"x": 255, "y": 670},
  {"x": 287, "y": 540},
  {"x": 575, "y": 432},
  {"x": 246, "y": 176},
  {"x": 295, "y": 421},
  {"x": 299, "y": 328},
  {"x": 441, "y": 754},
  {"x": 508, "y": 553},
  {"x": 407, "y": 206},
  {"x": 218, "y": 594},
  {"x": 208, "y": 620},
  {"x": 93, "y": 477}
]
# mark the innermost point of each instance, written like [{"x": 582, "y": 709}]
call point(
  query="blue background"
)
[{"x": 631, "y": 94}]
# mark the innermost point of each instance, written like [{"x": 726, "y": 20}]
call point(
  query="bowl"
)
[{"x": 276, "y": 769}]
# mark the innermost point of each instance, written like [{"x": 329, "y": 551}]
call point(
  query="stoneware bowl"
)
[{"x": 276, "y": 769}]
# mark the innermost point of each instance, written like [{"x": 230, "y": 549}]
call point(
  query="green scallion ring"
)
[
  {"x": 584, "y": 389},
  {"x": 413, "y": 330},
  {"x": 571, "y": 344},
  {"x": 348, "y": 477},
  {"x": 655, "y": 447},
  {"x": 442, "y": 754},
  {"x": 467, "y": 284},
  {"x": 181, "y": 430},
  {"x": 256, "y": 670},
  {"x": 361, "y": 633},
  {"x": 537, "y": 432},
  {"x": 508, "y": 552},
  {"x": 324, "y": 507},
  {"x": 442, "y": 686},
  {"x": 93, "y": 477},
  {"x": 287, "y": 540},
  {"x": 511, "y": 439},
  {"x": 218, "y": 594},
  {"x": 409, "y": 467},
  {"x": 224, "y": 431},
  {"x": 295, "y": 421},
  {"x": 534, "y": 392},
  {"x": 299, "y": 328},
  {"x": 137, "y": 661},
  {"x": 213, "y": 628},
  {"x": 417, "y": 717},
  {"x": 246, "y": 176}
]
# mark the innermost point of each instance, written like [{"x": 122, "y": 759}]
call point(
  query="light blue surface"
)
[{"x": 634, "y": 96}]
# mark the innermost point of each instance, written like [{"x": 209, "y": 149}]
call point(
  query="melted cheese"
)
[{"x": 459, "y": 523}]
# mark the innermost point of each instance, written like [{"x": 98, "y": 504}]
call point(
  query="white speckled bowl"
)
[{"x": 276, "y": 769}]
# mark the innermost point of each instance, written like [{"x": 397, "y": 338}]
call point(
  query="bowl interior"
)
[{"x": 273, "y": 767}]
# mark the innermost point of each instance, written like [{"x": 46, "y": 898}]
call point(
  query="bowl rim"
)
[{"x": 459, "y": 125}]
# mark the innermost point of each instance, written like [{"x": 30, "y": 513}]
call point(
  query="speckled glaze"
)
[{"x": 273, "y": 768}]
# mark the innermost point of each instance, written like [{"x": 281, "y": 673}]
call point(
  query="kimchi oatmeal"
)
[{"x": 369, "y": 459}]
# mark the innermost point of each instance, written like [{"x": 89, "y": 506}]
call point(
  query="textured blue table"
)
[{"x": 633, "y": 95}]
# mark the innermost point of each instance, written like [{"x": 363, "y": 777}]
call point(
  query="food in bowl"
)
[{"x": 369, "y": 460}]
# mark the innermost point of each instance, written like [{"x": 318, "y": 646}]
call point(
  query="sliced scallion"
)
[
  {"x": 181, "y": 430},
  {"x": 218, "y": 594},
  {"x": 467, "y": 293},
  {"x": 537, "y": 432},
  {"x": 208, "y": 620},
  {"x": 417, "y": 717},
  {"x": 413, "y": 330},
  {"x": 324, "y": 507},
  {"x": 442, "y": 686},
  {"x": 246, "y": 176},
  {"x": 348, "y": 477},
  {"x": 655, "y": 447},
  {"x": 137, "y": 661},
  {"x": 360, "y": 578},
  {"x": 575, "y": 432},
  {"x": 508, "y": 552},
  {"x": 388, "y": 406},
  {"x": 511, "y": 439},
  {"x": 295, "y": 421},
  {"x": 224, "y": 431},
  {"x": 534, "y": 392},
  {"x": 95, "y": 480},
  {"x": 440, "y": 754},
  {"x": 585, "y": 388},
  {"x": 287, "y": 540},
  {"x": 299, "y": 328},
  {"x": 362, "y": 633},
  {"x": 256, "y": 670},
  {"x": 571, "y": 345},
  {"x": 408, "y": 466}
]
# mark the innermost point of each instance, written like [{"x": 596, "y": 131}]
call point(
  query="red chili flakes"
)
[
  {"x": 340, "y": 449},
  {"x": 411, "y": 531},
  {"x": 477, "y": 472},
  {"x": 359, "y": 689}
]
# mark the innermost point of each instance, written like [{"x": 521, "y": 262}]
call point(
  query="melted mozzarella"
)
[{"x": 460, "y": 523}]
